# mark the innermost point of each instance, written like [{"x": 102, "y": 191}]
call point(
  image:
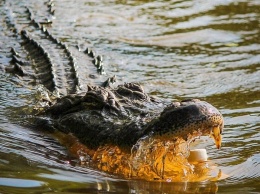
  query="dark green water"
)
[{"x": 175, "y": 49}]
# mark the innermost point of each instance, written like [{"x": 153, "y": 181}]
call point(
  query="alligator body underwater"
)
[{"x": 98, "y": 115}]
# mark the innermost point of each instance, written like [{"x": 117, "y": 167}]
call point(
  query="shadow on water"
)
[{"x": 176, "y": 50}]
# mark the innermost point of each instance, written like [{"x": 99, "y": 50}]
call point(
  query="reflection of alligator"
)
[{"x": 102, "y": 115}]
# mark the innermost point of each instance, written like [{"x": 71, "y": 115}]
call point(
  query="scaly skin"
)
[
  {"x": 102, "y": 118},
  {"x": 123, "y": 115},
  {"x": 126, "y": 132}
]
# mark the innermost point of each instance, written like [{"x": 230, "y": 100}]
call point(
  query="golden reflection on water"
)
[{"x": 153, "y": 159}]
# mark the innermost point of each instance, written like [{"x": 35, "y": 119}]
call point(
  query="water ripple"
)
[{"x": 176, "y": 49}]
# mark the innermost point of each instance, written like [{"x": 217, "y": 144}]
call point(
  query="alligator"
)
[{"x": 108, "y": 122}]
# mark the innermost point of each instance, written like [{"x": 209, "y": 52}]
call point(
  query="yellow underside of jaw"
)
[
  {"x": 153, "y": 160},
  {"x": 217, "y": 136}
]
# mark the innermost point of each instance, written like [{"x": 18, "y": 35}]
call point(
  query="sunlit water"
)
[{"x": 175, "y": 49}]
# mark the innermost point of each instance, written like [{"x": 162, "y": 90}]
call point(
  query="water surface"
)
[{"x": 176, "y": 50}]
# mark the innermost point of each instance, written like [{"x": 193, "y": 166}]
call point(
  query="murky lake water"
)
[{"x": 176, "y": 50}]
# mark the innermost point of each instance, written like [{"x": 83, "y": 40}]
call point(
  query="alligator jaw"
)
[{"x": 188, "y": 120}]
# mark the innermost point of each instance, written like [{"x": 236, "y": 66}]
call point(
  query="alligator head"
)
[
  {"x": 188, "y": 119},
  {"x": 123, "y": 115}
]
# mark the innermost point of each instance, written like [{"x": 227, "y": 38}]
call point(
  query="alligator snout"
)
[{"x": 189, "y": 119}]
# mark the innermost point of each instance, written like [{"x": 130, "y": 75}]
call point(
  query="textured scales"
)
[
  {"x": 181, "y": 118},
  {"x": 94, "y": 114},
  {"x": 76, "y": 98},
  {"x": 123, "y": 115}
]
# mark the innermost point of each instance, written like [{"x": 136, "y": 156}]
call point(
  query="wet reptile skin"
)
[
  {"x": 123, "y": 115},
  {"x": 95, "y": 113}
]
